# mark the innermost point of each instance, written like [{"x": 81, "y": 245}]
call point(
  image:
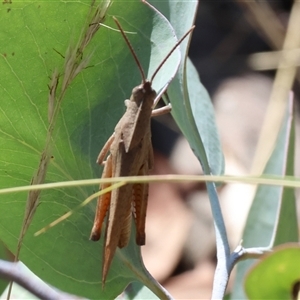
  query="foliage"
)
[{"x": 63, "y": 85}]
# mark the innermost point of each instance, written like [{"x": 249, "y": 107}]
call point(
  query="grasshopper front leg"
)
[{"x": 161, "y": 111}]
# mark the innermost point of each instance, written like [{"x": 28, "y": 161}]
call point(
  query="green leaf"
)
[
  {"x": 272, "y": 218},
  {"x": 192, "y": 108},
  {"x": 204, "y": 116},
  {"x": 39, "y": 37},
  {"x": 275, "y": 276}
]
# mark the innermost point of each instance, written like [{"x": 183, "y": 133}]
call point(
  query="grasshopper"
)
[{"x": 130, "y": 153}]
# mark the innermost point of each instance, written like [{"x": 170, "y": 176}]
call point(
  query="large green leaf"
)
[
  {"x": 272, "y": 218},
  {"x": 39, "y": 37},
  {"x": 5, "y": 256}
]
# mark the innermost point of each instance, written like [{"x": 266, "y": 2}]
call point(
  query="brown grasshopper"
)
[{"x": 131, "y": 154}]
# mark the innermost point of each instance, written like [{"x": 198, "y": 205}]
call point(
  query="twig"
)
[
  {"x": 222, "y": 272},
  {"x": 283, "y": 83},
  {"x": 241, "y": 253},
  {"x": 19, "y": 273},
  {"x": 263, "y": 17}
]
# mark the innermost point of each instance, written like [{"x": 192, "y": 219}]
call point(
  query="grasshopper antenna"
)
[
  {"x": 171, "y": 51},
  {"x": 131, "y": 49}
]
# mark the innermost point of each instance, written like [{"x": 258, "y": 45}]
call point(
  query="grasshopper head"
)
[{"x": 142, "y": 92}]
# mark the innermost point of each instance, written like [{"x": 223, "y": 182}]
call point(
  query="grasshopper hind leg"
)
[
  {"x": 126, "y": 229},
  {"x": 103, "y": 203},
  {"x": 140, "y": 201}
]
